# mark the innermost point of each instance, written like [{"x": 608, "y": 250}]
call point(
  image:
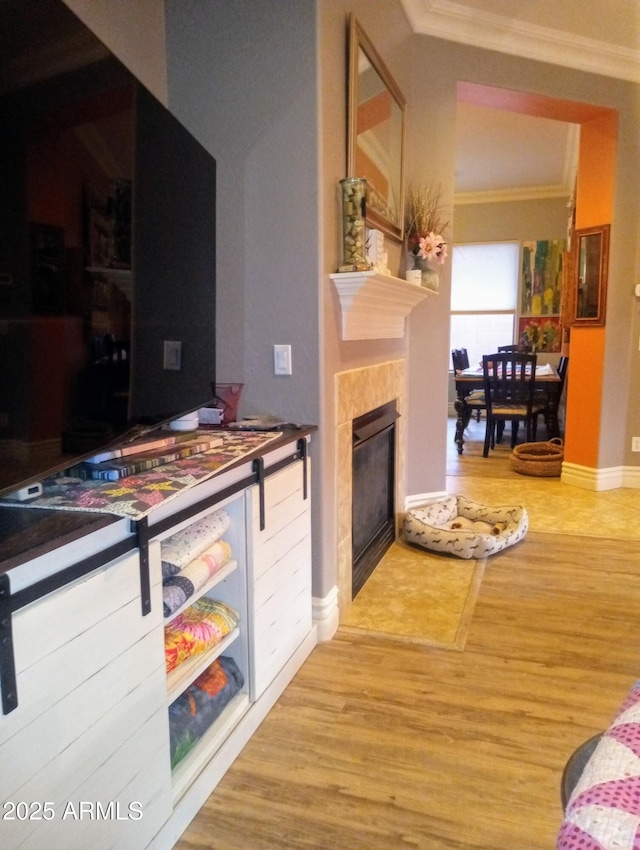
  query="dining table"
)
[{"x": 547, "y": 380}]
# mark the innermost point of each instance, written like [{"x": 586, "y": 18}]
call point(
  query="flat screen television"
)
[{"x": 107, "y": 250}]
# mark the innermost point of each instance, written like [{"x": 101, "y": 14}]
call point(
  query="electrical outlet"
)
[
  {"x": 635, "y": 444},
  {"x": 172, "y": 355}
]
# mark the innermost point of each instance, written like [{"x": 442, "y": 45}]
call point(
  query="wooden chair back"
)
[{"x": 459, "y": 359}]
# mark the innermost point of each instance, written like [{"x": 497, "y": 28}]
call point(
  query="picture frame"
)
[
  {"x": 376, "y": 134},
  {"x": 590, "y": 277},
  {"x": 543, "y": 334}
]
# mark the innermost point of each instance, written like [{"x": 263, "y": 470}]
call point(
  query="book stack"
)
[{"x": 144, "y": 454}]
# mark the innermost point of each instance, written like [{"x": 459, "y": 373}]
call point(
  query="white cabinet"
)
[
  {"x": 280, "y": 574},
  {"x": 89, "y": 734}
]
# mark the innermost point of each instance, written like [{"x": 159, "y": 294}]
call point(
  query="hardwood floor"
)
[{"x": 384, "y": 744}]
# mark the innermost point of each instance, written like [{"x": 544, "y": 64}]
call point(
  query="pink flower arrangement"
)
[
  {"x": 432, "y": 247},
  {"x": 424, "y": 226}
]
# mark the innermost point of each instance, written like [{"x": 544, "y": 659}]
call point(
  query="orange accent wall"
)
[
  {"x": 584, "y": 396},
  {"x": 596, "y": 171},
  {"x": 594, "y": 206}
]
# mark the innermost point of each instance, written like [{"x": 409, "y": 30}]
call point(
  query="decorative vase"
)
[
  {"x": 354, "y": 209},
  {"x": 430, "y": 277}
]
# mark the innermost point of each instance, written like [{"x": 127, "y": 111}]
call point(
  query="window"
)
[{"x": 484, "y": 297}]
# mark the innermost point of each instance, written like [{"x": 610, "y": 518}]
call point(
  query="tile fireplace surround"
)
[{"x": 357, "y": 392}]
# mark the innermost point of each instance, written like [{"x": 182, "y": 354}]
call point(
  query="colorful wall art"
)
[
  {"x": 541, "y": 277},
  {"x": 540, "y": 334}
]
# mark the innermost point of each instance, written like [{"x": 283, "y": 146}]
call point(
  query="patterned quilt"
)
[
  {"x": 603, "y": 812},
  {"x": 194, "y": 711}
]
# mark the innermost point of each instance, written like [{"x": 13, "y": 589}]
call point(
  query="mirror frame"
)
[
  {"x": 358, "y": 41},
  {"x": 594, "y": 268}
]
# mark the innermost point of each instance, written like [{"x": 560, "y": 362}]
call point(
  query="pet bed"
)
[{"x": 466, "y": 529}]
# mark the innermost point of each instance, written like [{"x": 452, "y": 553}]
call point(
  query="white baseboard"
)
[
  {"x": 326, "y": 615},
  {"x": 611, "y": 478},
  {"x": 420, "y": 499}
]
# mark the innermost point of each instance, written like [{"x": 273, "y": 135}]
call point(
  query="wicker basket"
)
[{"x": 541, "y": 459}]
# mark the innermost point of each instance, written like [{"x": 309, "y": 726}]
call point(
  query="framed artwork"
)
[
  {"x": 541, "y": 277},
  {"x": 47, "y": 269},
  {"x": 590, "y": 275},
  {"x": 541, "y": 333}
]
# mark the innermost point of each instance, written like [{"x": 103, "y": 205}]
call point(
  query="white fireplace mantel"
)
[{"x": 375, "y": 306}]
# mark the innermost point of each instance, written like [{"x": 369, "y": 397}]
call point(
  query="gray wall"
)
[{"x": 242, "y": 77}]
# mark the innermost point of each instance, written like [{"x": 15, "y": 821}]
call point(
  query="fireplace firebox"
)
[{"x": 373, "y": 487}]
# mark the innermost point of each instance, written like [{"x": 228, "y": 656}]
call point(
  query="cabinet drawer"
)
[
  {"x": 279, "y": 639},
  {"x": 278, "y": 576},
  {"x": 276, "y": 607}
]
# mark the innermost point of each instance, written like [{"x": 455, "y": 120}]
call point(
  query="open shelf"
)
[
  {"x": 216, "y": 578},
  {"x": 184, "y": 773}
]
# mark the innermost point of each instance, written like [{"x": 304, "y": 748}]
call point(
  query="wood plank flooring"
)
[{"x": 383, "y": 744}]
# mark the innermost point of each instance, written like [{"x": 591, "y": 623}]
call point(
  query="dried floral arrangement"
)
[{"x": 425, "y": 225}]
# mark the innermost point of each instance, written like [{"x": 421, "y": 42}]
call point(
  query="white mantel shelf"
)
[{"x": 375, "y": 306}]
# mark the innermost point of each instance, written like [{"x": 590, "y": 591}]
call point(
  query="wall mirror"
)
[
  {"x": 591, "y": 267},
  {"x": 376, "y": 134}
]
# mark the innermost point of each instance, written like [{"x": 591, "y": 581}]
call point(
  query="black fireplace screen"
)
[{"x": 373, "y": 509}]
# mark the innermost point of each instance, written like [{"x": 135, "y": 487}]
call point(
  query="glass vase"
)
[
  {"x": 430, "y": 277},
  {"x": 354, "y": 208}
]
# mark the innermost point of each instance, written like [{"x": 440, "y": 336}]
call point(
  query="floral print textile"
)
[
  {"x": 197, "y": 629},
  {"x": 136, "y": 496}
]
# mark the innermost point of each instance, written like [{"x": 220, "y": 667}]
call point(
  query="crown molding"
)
[
  {"x": 458, "y": 22},
  {"x": 523, "y": 193}
]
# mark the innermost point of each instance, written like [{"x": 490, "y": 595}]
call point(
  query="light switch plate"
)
[{"x": 282, "y": 359}]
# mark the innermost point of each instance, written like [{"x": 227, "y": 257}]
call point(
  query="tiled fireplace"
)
[{"x": 359, "y": 391}]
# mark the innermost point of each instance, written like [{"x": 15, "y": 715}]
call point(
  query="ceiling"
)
[
  {"x": 502, "y": 155},
  {"x": 499, "y": 154}
]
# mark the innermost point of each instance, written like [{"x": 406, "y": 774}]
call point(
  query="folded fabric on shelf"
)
[
  {"x": 177, "y": 589},
  {"x": 199, "y": 706},
  {"x": 183, "y": 546},
  {"x": 198, "y": 628}
]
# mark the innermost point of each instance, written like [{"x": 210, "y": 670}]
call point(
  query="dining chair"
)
[
  {"x": 475, "y": 399},
  {"x": 509, "y": 389},
  {"x": 459, "y": 359},
  {"x": 551, "y": 400}
]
